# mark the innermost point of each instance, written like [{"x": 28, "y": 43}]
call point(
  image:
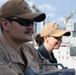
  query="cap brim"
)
[
  {"x": 61, "y": 33},
  {"x": 37, "y": 17}
]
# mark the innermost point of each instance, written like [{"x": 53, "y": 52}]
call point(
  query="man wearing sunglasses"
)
[{"x": 16, "y": 21}]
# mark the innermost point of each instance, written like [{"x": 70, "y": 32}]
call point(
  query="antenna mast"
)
[{"x": 66, "y": 18}]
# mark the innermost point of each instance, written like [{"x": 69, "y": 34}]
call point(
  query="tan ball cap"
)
[
  {"x": 53, "y": 29},
  {"x": 20, "y": 8}
]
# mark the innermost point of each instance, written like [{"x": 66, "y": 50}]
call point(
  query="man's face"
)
[{"x": 17, "y": 32}]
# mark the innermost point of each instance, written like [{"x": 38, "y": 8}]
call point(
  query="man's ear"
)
[{"x": 4, "y": 24}]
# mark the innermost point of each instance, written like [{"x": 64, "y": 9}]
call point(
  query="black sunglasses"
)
[
  {"x": 58, "y": 38},
  {"x": 23, "y": 22}
]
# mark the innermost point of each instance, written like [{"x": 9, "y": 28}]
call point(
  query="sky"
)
[{"x": 55, "y": 10}]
